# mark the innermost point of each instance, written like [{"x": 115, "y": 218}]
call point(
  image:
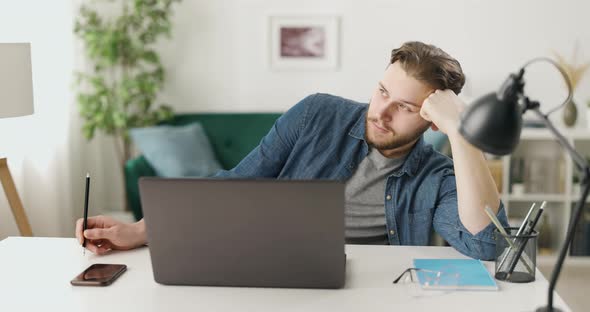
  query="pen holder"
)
[{"x": 516, "y": 256}]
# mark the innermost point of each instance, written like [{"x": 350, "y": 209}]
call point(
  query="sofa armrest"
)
[{"x": 134, "y": 169}]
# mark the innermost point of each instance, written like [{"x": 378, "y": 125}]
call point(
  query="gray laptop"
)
[{"x": 255, "y": 233}]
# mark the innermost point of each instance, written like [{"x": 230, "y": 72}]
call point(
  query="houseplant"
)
[{"x": 119, "y": 90}]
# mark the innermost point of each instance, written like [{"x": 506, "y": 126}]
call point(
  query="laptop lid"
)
[{"x": 263, "y": 233}]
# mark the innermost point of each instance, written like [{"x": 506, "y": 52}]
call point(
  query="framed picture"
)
[{"x": 304, "y": 42}]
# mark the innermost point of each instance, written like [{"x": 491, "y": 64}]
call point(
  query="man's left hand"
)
[{"x": 443, "y": 108}]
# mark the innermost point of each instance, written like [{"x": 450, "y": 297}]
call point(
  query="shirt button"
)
[
  {"x": 388, "y": 197},
  {"x": 392, "y": 232}
]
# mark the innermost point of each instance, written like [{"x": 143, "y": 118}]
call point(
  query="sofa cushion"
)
[
  {"x": 176, "y": 151},
  {"x": 232, "y": 135}
]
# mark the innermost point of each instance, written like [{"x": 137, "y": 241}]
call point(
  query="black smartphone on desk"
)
[{"x": 99, "y": 274}]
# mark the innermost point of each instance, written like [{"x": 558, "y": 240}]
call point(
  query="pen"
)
[
  {"x": 501, "y": 229},
  {"x": 85, "y": 223},
  {"x": 523, "y": 244},
  {"x": 520, "y": 231},
  {"x": 498, "y": 225}
]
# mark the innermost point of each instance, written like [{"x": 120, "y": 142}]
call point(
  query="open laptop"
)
[{"x": 255, "y": 233}]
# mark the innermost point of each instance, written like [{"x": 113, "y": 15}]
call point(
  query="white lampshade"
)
[{"x": 16, "y": 80}]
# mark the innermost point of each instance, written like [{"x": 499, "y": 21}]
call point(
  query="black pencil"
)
[
  {"x": 85, "y": 224},
  {"x": 524, "y": 242}
]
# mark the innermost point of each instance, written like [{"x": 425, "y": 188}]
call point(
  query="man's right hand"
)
[{"x": 105, "y": 233}]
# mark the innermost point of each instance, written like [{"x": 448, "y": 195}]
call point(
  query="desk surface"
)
[{"x": 35, "y": 275}]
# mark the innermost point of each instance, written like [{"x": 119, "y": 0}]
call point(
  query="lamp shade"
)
[
  {"x": 16, "y": 81},
  {"x": 492, "y": 123}
]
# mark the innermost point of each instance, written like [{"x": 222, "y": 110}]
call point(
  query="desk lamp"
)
[{"x": 493, "y": 124}]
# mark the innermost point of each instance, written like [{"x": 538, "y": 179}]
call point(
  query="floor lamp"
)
[{"x": 16, "y": 99}]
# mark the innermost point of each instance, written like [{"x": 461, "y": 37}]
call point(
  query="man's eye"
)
[
  {"x": 405, "y": 107},
  {"x": 383, "y": 93}
]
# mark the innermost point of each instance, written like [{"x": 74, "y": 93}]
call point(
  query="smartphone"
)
[{"x": 99, "y": 274}]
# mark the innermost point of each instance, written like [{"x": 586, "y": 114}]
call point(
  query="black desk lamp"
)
[{"x": 493, "y": 124}]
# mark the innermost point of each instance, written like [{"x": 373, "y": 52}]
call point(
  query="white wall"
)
[
  {"x": 37, "y": 146},
  {"x": 217, "y": 60},
  {"x": 218, "y": 57}
]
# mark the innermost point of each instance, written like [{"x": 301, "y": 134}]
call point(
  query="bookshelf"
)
[{"x": 540, "y": 169}]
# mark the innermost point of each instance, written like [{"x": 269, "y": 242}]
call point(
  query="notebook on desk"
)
[{"x": 459, "y": 274}]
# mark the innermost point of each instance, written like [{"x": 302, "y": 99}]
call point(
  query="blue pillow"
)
[
  {"x": 177, "y": 151},
  {"x": 436, "y": 138}
]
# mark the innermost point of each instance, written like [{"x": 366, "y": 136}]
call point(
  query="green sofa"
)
[{"x": 232, "y": 137}]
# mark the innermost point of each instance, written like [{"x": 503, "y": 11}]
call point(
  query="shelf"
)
[
  {"x": 576, "y": 197},
  {"x": 536, "y": 134},
  {"x": 540, "y": 143},
  {"x": 569, "y": 260},
  {"x": 545, "y": 134},
  {"x": 535, "y": 197}
]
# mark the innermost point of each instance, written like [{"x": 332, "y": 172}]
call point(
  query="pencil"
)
[{"x": 85, "y": 223}]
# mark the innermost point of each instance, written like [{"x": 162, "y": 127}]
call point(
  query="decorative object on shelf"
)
[
  {"x": 570, "y": 114},
  {"x": 517, "y": 166},
  {"x": 496, "y": 169},
  {"x": 581, "y": 242},
  {"x": 518, "y": 189},
  {"x": 304, "y": 42},
  {"x": 545, "y": 234},
  {"x": 493, "y": 123},
  {"x": 541, "y": 175},
  {"x": 576, "y": 185},
  {"x": 575, "y": 72}
]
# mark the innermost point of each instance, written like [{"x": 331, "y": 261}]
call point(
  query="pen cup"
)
[{"x": 516, "y": 256}]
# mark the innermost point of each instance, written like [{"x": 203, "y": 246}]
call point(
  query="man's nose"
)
[{"x": 385, "y": 112}]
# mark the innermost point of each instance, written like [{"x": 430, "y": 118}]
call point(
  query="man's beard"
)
[{"x": 395, "y": 141}]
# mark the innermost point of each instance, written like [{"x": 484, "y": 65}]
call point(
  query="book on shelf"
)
[{"x": 581, "y": 243}]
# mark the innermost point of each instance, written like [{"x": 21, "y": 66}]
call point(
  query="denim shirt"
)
[{"x": 323, "y": 137}]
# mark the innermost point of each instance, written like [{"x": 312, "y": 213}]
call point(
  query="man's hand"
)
[
  {"x": 443, "y": 109},
  {"x": 104, "y": 234}
]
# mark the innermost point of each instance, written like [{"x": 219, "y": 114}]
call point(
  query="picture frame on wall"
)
[{"x": 304, "y": 42}]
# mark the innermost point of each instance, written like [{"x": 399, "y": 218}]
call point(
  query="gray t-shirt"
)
[{"x": 365, "y": 199}]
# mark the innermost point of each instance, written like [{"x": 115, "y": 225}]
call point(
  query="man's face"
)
[{"x": 393, "y": 119}]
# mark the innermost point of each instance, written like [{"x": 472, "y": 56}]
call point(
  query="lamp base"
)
[{"x": 546, "y": 309}]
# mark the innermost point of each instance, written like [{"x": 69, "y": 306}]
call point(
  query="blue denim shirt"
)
[{"x": 323, "y": 137}]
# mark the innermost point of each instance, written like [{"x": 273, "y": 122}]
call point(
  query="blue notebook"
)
[{"x": 460, "y": 274}]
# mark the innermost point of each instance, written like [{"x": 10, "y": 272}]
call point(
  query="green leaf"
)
[
  {"x": 88, "y": 131},
  {"x": 150, "y": 57},
  {"x": 127, "y": 75}
]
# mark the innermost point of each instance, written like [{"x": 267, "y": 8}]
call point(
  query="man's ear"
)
[{"x": 433, "y": 127}]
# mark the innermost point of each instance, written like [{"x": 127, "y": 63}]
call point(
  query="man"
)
[{"x": 397, "y": 187}]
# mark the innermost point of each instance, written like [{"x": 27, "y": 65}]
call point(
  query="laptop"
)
[{"x": 244, "y": 232}]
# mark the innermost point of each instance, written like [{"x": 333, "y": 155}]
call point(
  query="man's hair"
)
[{"x": 429, "y": 64}]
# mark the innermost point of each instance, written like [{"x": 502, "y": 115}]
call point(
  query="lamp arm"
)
[
  {"x": 582, "y": 165},
  {"x": 564, "y": 75}
]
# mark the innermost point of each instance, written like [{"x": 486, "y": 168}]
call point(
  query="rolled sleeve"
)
[{"x": 448, "y": 225}]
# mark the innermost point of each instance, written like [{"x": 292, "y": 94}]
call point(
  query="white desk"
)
[{"x": 35, "y": 275}]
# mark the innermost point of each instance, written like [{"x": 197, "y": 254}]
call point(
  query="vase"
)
[
  {"x": 570, "y": 114},
  {"x": 517, "y": 189}
]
